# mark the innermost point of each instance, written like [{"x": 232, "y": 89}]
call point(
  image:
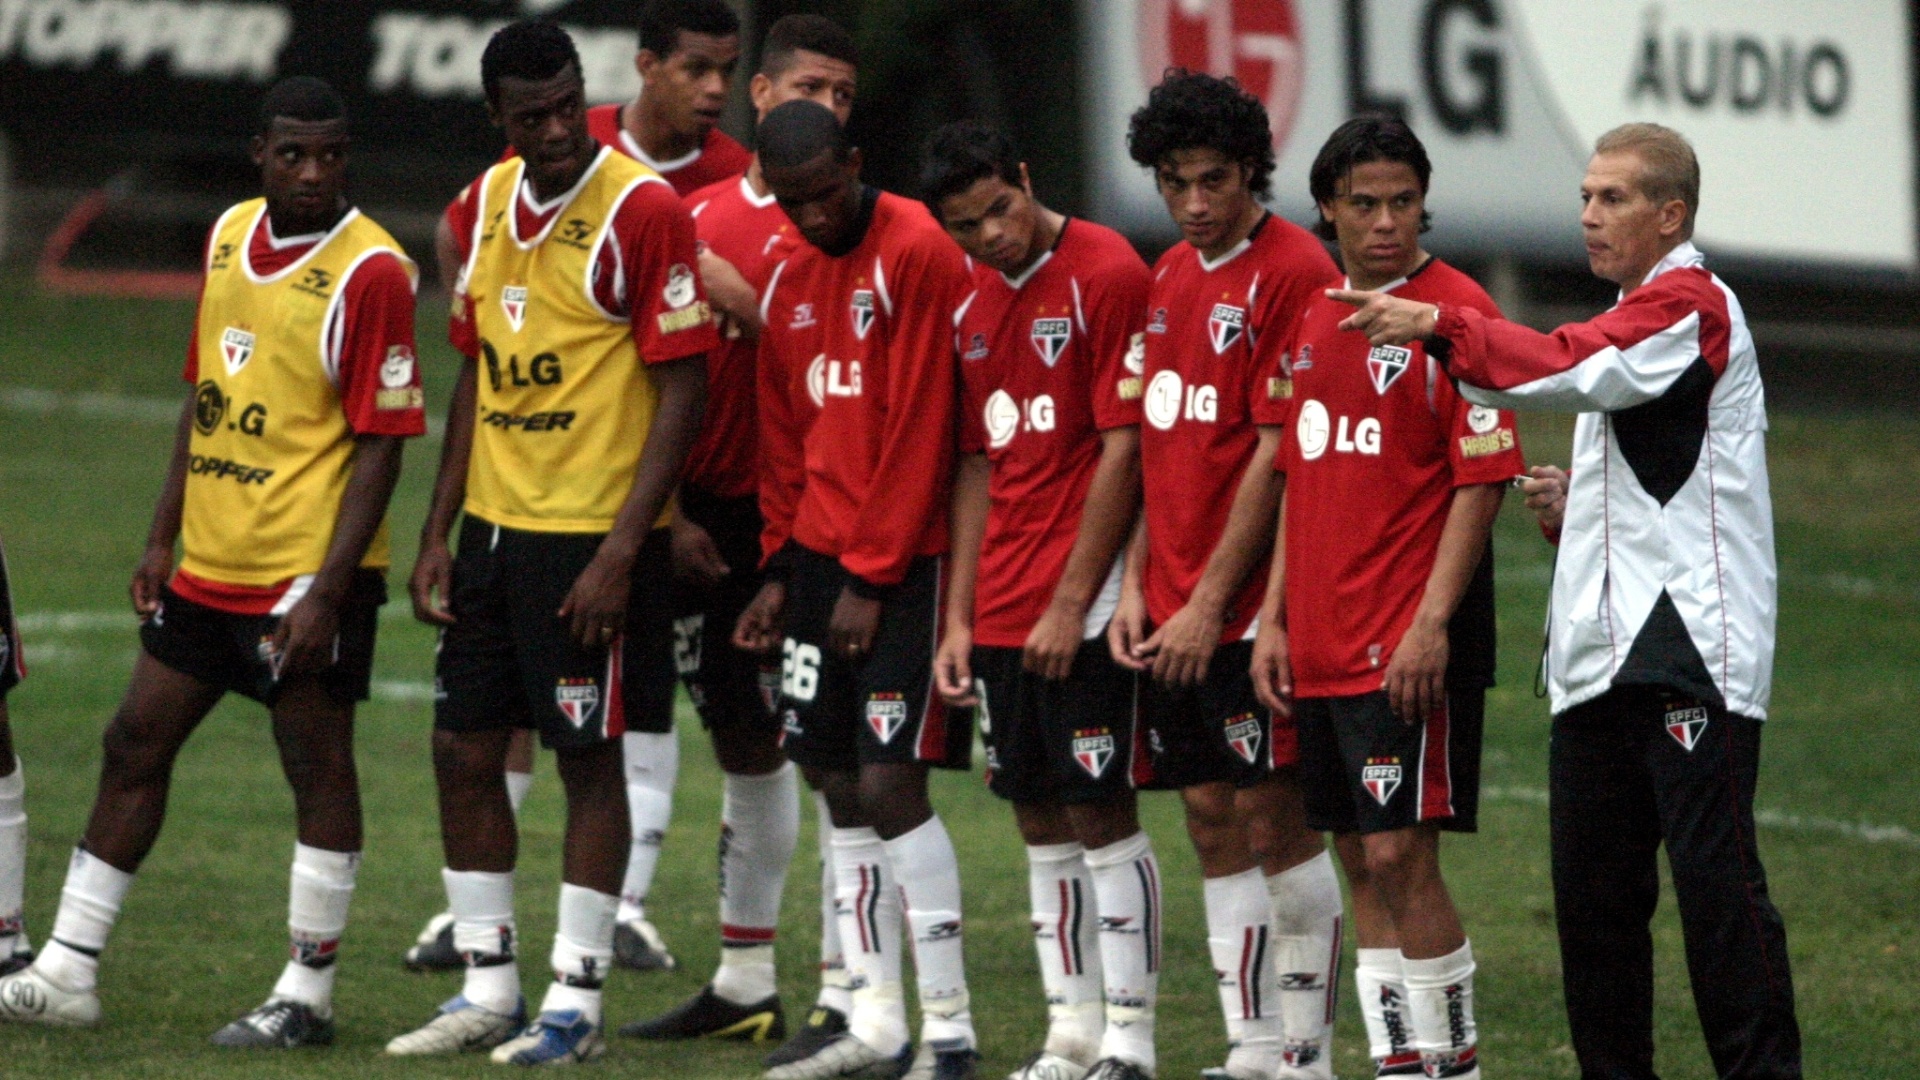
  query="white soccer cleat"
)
[
  {"x": 460, "y": 1026},
  {"x": 845, "y": 1055},
  {"x": 1049, "y": 1066},
  {"x": 28, "y": 997}
]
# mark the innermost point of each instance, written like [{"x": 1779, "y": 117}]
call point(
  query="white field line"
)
[
  {"x": 109, "y": 405},
  {"x": 1864, "y": 831}
]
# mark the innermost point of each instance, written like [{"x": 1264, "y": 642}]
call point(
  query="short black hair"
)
[
  {"x": 805, "y": 33},
  {"x": 1190, "y": 110},
  {"x": 960, "y": 155},
  {"x": 661, "y": 22},
  {"x": 531, "y": 49},
  {"x": 304, "y": 98},
  {"x": 1359, "y": 141},
  {"x": 798, "y": 132}
]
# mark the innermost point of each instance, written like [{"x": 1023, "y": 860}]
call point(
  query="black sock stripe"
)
[{"x": 81, "y": 949}]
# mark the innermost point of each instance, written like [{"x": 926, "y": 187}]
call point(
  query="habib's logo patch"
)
[
  {"x": 513, "y": 301},
  {"x": 236, "y": 348},
  {"x": 863, "y": 312},
  {"x": 1227, "y": 324},
  {"x": 1386, "y": 363},
  {"x": 1381, "y": 778},
  {"x": 1244, "y": 735},
  {"x": 1092, "y": 751},
  {"x": 886, "y": 715},
  {"x": 577, "y": 700},
  {"x": 1050, "y": 339},
  {"x": 1685, "y": 725}
]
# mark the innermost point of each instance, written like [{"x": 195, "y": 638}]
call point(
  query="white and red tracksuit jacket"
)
[{"x": 1666, "y": 571}]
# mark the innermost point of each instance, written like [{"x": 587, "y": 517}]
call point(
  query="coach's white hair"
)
[{"x": 1669, "y": 169}]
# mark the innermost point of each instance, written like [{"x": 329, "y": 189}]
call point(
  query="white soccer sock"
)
[
  {"x": 582, "y": 951},
  {"x": 868, "y": 906},
  {"x": 1382, "y": 990},
  {"x": 483, "y": 932},
  {"x": 759, "y": 828},
  {"x": 317, "y": 902},
  {"x": 518, "y": 784},
  {"x": 836, "y": 988},
  {"x": 1066, "y": 936},
  {"x": 929, "y": 875},
  {"x": 1239, "y": 935},
  {"x": 13, "y": 860},
  {"x": 1306, "y": 909},
  {"x": 1126, "y": 886},
  {"x": 653, "y": 763},
  {"x": 1440, "y": 1001},
  {"x": 89, "y": 904}
]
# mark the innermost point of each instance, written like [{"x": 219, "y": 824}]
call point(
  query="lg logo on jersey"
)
[
  {"x": 832, "y": 378},
  {"x": 1314, "y": 426},
  {"x": 1168, "y": 402},
  {"x": 1003, "y": 414}
]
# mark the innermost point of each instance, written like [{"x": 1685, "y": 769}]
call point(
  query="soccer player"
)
[
  {"x": 303, "y": 391},
  {"x": 716, "y": 539},
  {"x": 1660, "y": 643},
  {"x": 578, "y": 296},
  {"x": 1377, "y": 629},
  {"x": 15, "y": 951},
  {"x": 1044, "y": 497},
  {"x": 858, "y": 320},
  {"x": 1223, "y": 302}
]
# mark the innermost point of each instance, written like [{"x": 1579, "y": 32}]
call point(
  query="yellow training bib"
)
[{"x": 271, "y": 447}]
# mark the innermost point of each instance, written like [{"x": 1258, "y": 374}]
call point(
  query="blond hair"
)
[{"x": 1668, "y": 168}]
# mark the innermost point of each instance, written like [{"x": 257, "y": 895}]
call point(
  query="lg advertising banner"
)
[{"x": 1800, "y": 109}]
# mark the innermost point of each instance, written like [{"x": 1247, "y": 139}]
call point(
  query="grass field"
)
[{"x": 87, "y": 392}]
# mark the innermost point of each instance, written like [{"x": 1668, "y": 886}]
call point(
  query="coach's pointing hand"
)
[{"x": 1386, "y": 320}]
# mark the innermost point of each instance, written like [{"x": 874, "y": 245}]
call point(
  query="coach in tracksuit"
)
[{"x": 1662, "y": 620}]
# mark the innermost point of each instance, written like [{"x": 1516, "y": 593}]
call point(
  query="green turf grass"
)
[{"x": 202, "y": 936}]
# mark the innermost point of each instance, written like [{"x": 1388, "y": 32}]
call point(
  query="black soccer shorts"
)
[
  {"x": 233, "y": 652},
  {"x": 1365, "y": 771},
  {"x": 1215, "y": 732},
  {"x": 839, "y": 715},
  {"x": 13, "y": 663},
  {"x": 509, "y": 661},
  {"x": 1067, "y": 741},
  {"x": 732, "y": 690}
]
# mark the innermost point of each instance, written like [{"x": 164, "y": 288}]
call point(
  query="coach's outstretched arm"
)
[{"x": 1627, "y": 356}]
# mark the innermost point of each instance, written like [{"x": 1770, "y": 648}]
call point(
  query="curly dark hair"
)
[
  {"x": 1191, "y": 110},
  {"x": 1357, "y": 142}
]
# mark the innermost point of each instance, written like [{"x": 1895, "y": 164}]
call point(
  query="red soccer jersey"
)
[
  {"x": 718, "y": 158},
  {"x": 1044, "y": 368},
  {"x": 869, "y": 336},
  {"x": 1214, "y": 338},
  {"x": 753, "y": 233},
  {"x": 655, "y": 234},
  {"x": 1377, "y": 443}
]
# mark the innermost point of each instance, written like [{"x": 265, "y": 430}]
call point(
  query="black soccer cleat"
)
[
  {"x": 21, "y": 960},
  {"x": 936, "y": 1061},
  {"x": 280, "y": 1024},
  {"x": 707, "y": 1015},
  {"x": 434, "y": 950},
  {"x": 823, "y": 1024},
  {"x": 637, "y": 946},
  {"x": 1115, "y": 1068}
]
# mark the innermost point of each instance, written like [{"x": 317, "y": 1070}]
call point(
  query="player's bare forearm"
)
[
  {"x": 446, "y": 254},
  {"x": 682, "y": 386},
  {"x": 1113, "y": 500},
  {"x": 450, "y": 483},
  {"x": 1249, "y": 531},
  {"x": 1463, "y": 542},
  {"x": 363, "y": 506},
  {"x": 968, "y": 532},
  {"x": 1273, "y": 605},
  {"x": 167, "y": 510}
]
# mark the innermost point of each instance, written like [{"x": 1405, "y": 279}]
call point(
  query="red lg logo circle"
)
[{"x": 1255, "y": 41}]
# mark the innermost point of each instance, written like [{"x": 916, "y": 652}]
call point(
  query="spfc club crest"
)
[
  {"x": 577, "y": 700},
  {"x": 1226, "y": 325},
  {"x": 1244, "y": 736},
  {"x": 862, "y": 312},
  {"x": 1685, "y": 725},
  {"x": 236, "y": 348},
  {"x": 1050, "y": 339},
  {"x": 1093, "y": 753},
  {"x": 886, "y": 714},
  {"x": 1385, "y": 363},
  {"x": 1381, "y": 781},
  {"x": 513, "y": 300}
]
